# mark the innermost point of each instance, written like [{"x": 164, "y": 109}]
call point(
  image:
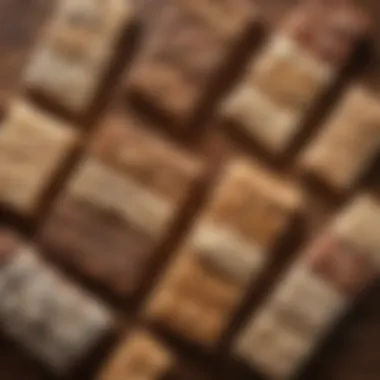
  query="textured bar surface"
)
[
  {"x": 183, "y": 51},
  {"x": 77, "y": 49},
  {"x": 299, "y": 62},
  {"x": 119, "y": 204},
  {"x": 313, "y": 296},
  {"x": 225, "y": 251},
  {"x": 46, "y": 314},
  {"x": 33, "y": 146},
  {"x": 353, "y": 127},
  {"x": 139, "y": 357}
]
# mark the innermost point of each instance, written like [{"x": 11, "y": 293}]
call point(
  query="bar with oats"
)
[
  {"x": 119, "y": 203},
  {"x": 296, "y": 66},
  {"x": 43, "y": 312},
  {"x": 184, "y": 50},
  {"x": 348, "y": 143},
  {"x": 139, "y": 357},
  {"x": 76, "y": 51},
  {"x": 33, "y": 147},
  {"x": 227, "y": 249},
  {"x": 312, "y": 297}
]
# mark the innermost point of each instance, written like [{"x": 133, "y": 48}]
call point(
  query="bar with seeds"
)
[
  {"x": 33, "y": 146},
  {"x": 139, "y": 357},
  {"x": 119, "y": 203},
  {"x": 297, "y": 65},
  {"x": 43, "y": 312},
  {"x": 311, "y": 298},
  {"x": 349, "y": 142},
  {"x": 76, "y": 51},
  {"x": 226, "y": 250},
  {"x": 183, "y": 52}
]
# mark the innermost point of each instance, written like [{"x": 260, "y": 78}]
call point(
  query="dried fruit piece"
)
[
  {"x": 226, "y": 250},
  {"x": 119, "y": 204},
  {"x": 312, "y": 297},
  {"x": 33, "y": 146}
]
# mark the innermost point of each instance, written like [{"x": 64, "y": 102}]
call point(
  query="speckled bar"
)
[
  {"x": 349, "y": 142},
  {"x": 226, "y": 250},
  {"x": 47, "y": 315},
  {"x": 77, "y": 49},
  {"x": 33, "y": 147},
  {"x": 313, "y": 296},
  {"x": 119, "y": 204},
  {"x": 296, "y": 66},
  {"x": 183, "y": 51}
]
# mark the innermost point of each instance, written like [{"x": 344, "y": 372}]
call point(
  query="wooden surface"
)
[{"x": 351, "y": 351}]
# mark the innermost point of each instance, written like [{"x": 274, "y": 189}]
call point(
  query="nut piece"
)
[
  {"x": 46, "y": 314},
  {"x": 313, "y": 296},
  {"x": 33, "y": 146},
  {"x": 226, "y": 250},
  {"x": 119, "y": 204},
  {"x": 139, "y": 357},
  {"x": 295, "y": 68},
  {"x": 349, "y": 142},
  {"x": 77, "y": 49},
  {"x": 184, "y": 51}
]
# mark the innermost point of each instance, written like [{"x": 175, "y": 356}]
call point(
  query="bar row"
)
[{"x": 183, "y": 51}]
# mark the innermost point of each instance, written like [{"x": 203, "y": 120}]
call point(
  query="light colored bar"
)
[
  {"x": 139, "y": 357},
  {"x": 77, "y": 49},
  {"x": 33, "y": 146},
  {"x": 348, "y": 143},
  {"x": 46, "y": 314}
]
